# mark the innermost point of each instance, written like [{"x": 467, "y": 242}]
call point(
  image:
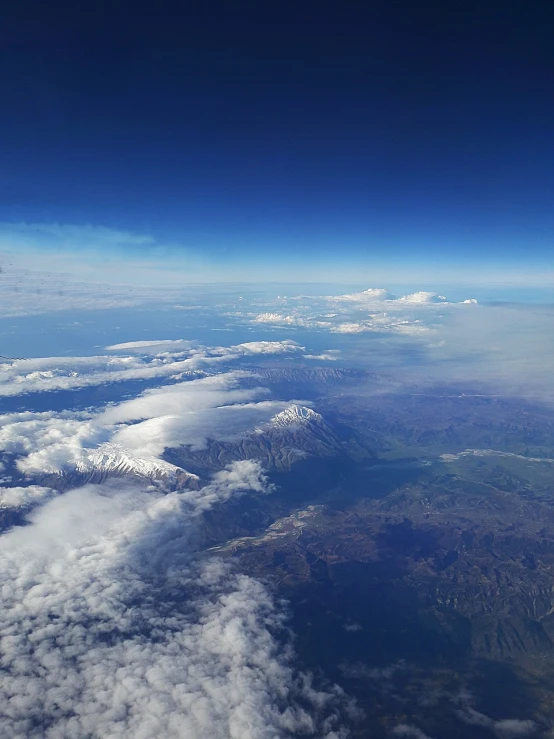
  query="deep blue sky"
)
[{"x": 364, "y": 133}]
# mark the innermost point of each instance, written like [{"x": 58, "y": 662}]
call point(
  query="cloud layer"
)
[
  {"x": 374, "y": 310},
  {"x": 69, "y": 373},
  {"x": 110, "y": 627},
  {"x": 111, "y": 623}
]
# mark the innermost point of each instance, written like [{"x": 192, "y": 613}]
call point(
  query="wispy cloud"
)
[
  {"x": 68, "y": 373},
  {"x": 503, "y": 728},
  {"x": 410, "y": 731}
]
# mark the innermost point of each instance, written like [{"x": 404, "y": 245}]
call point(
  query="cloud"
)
[
  {"x": 380, "y": 295},
  {"x": 16, "y": 497},
  {"x": 31, "y": 292},
  {"x": 149, "y": 345},
  {"x": 352, "y": 627},
  {"x": 48, "y": 443},
  {"x": 194, "y": 395},
  {"x": 359, "y": 670},
  {"x": 331, "y": 355},
  {"x": 383, "y": 324},
  {"x": 132, "y": 435},
  {"x": 425, "y": 297},
  {"x": 190, "y": 413},
  {"x": 71, "y": 236},
  {"x": 511, "y": 728},
  {"x": 372, "y": 294},
  {"x": 69, "y": 373},
  {"x": 110, "y": 626},
  {"x": 374, "y": 310},
  {"x": 225, "y": 423},
  {"x": 409, "y": 731},
  {"x": 503, "y": 728},
  {"x": 277, "y": 318},
  {"x": 510, "y": 347}
]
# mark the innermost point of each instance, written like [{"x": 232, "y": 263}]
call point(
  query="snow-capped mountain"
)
[
  {"x": 296, "y": 415},
  {"x": 294, "y": 434},
  {"x": 112, "y": 460}
]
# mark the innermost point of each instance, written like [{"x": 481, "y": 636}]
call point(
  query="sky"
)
[{"x": 261, "y": 141}]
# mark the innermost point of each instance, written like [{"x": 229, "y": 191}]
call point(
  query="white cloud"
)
[
  {"x": 380, "y": 295},
  {"x": 47, "y": 443},
  {"x": 109, "y": 627},
  {"x": 251, "y": 348},
  {"x": 68, "y": 373},
  {"x": 194, "y": 395},
  {"x": 423, "y": 297},
  {"x": 138, "y": 431},
  {"x": 374, "y": 310},
  {"x": 509, "y": 346},
  {"x": 277, "y": 318},
  {"x": 331, "y": 355},
  {"x": 372, "y": 294},
  {"x": 351, "y": 328},
  {"x": 149, "y": 345},
  {"x": 224, "y": 423},
  {"x": 382, "y": 324},
  {"x": 16, "y": 497}
]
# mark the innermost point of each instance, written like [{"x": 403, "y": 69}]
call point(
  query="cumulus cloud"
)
[
  {"x": 48, "y": 443},
  {"x": 111, "y": 627},
  {"x": 277, "y": 318},
  {"x": 372, "y": 294},
  {"x": 374, "y": 310},
  {"x": 423, "y": 297},
  {"x": 17, "y": 497},
  {"x": 378, "y": 295}
]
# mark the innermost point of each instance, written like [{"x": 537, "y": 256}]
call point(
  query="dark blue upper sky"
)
[{"x": 376, "y": 132}]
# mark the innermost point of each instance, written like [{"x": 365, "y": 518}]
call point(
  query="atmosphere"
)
[
  {"x": 280, "y": 141},
  {"x": 276, "y": 369}
]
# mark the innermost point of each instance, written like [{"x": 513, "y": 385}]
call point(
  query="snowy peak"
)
[
  {"x": 295, "y": 415},
  {"x": 115, "y": 460}
]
